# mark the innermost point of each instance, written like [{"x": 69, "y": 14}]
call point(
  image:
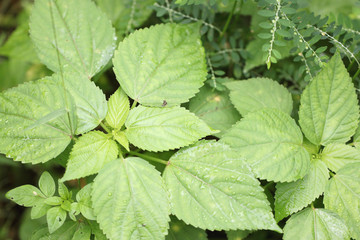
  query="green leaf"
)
[
  {"x": 55, "y": 218},
  {"x": 54, "y": 201},
  {"x": 337, "y": 155},
  {"x": 47, "y": 184},
  {"x": 237, "y": 234},
  {"x": 72, "y": 37},
  {"x": 258, "y": 93},
  {"x": 162, "y": 129},
  {"x": 356, "y": 137},
  {"x": 63, "y": 191},
  {"x": 315, "y": 223},
  {"x": 211, "y": 187},
  {"x": 119, "y": 107},
  {"x": 130, "y": 200},
  {"x": 83, "y": 197},
  {"x": 96, "y": 231},
  {"x": 82, "y": 233},
  {"x": 39, "y": 209},
  {"x": 89, "y": 154},
  {"x": 294, "y": 196},
  {"x": 342, "y": 195},
  {"x": 329, "y": 111},
  {"x": 65, "y": 232},
  {"x": 26, "y": 195},
  {"x": 161, "y": 64},
  {"x": 180, "y": 231},
  {"x": 214, "y": 108},
  {"x": 271, "y": 143},
  {"x": 21, "y": 107},
  {"x": 120, "y": 137}
]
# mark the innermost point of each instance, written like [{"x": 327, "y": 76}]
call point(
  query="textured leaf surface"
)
[
  {"x": 312, "y": 224},
  {"x": 89, "y": 154},
  {"x": 337, "y": 155},
  {"x": 258, "y": 93},
  {"x": 130, "y": 200},
  {"x": 21, "y": 107},
  {"x": 180, "y": 231},
  {"x": 294, "y": 196},
  {"x": 163, "y": 63},
  {"x": 211, "y": 187},
  {"x": 342, "y": 195},
  {"x": 72, "y": 36},
  {"x": 161, "y": 129},
  {"x": 119, "y": 107},
  {"x": 329, "y": 111},
  {"x": 271, "y": 142},
  {"x": 215, "y": 108}
]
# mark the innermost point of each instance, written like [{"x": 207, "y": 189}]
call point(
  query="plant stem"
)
[
  {"x": 150, "y": 158},
  {"x": 105, "y": 127},
  {"x": 350, "y": 65},
  {"x": 133, "y": 104},
  {"x": 356, "y": 74},
  {"x": 228, "y": 21}
]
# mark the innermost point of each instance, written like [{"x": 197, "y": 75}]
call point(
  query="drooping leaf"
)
[
  {"x": 257, "y": 93},
  {"x": 26, "y": 195},
  {"x": 72, "y": 36},
  {"x": 161, "y": 129},
  {"x": 294, "y": 196},
  {"x": 161, "y": 65},
  {"x": 83, "y": 197},
  {"x": 211, "y": 187},
  {"x": 130, "y": 200},
  {"x": 89, "y": 154},
  {"x": 21, "y": 107},
  {"x": 337, "y": 155},
  {"x": 119, "y": 107},
  {"x": 270, "y": 141},
  {"x": 329, "y": 111},
  {"x": 180, "y": 231},
  {"x": 55, "y": 218},
  {"x": 214, "y": 108},
  {"x": 315, "y": 223},
  {"x": 342, "y": 195}
]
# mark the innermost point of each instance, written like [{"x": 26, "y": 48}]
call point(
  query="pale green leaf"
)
[
  {"x": 120, "y": 137},
  {"x": 26, "y": 195},
  {"x": 55, "y": 218},
  {"x": 271, "y": 143},
  {"x": 356, "y": 137},
  {"x": 118, "y": 109},
  {"x": 63, "y": 191},
  {"x": 21, "y": 107},
  {"x": 211, "y": 187},
  {"x": 83, "y": 197},
  {"x": 130, "y": 200},
  {"x": 214, "y": 108},
  {"x": 83, "y": 232},
  {"x": 54, "y": 201},
  {"x": 161, "y": 129},
  {"x": 47, "y": 184},
  {"x": 180, "y": 231},
  {"x": 72, "y": 36},
  {"x": 342, "y": 195},
  {"x": 65, "y": 232},
  {"x": 163, "y": 64},
  {"x": 39, "y": 209},
  {"x": 237, "y": 234},
  {"x": 89, "y": 154},
  {"x": 337, "y": 155},
  {"x": 315, "y": 223},
  {"x": 96, "y": 231},
  {"x": 329, "y": 109},
  {"x": 294, "y": 196},
  {"x": 257, "y": 93}
]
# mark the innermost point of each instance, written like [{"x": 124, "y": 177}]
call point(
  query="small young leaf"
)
[
  {"x": 337, "y": 155},
  {"x": 84, "y": 202},
  {"x": 53, "y": 201},
  {"x": 55, "y": 218},
  {"x": 161, "y": 129},
  {"x": 63, "y": 191},
  {"x": 120, "y": 137},
  {"x": 315, "y": 223},
  {"x": 47, "y": 184},
  {"x": 119, "y": 107},
  {"x": 165, "y": 62},
  {"x": 26, "y": 195},
  {"x": 270, "y": 141},
  {"x": 89, "y": 154},
  {"x": 179, "y": 230}
]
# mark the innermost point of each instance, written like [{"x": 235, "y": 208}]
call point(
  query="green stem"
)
[
  {"x": 312, "y": 205},
  {"x": 150, "y": 158},
  {"x": 350, "y": 65},
  {"x": 228, "y": 20},
  {"x": 356, "y": 74},
  {"x": 105, "y": 127},
  {"x": 133, "y": 104}
]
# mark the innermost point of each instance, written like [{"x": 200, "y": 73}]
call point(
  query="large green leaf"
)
[
  {"x": 315, "y": 223},
  {"x": 337, "y": 155},
  {"x": 180, "y": 231},
  {"x": 161, "y": 129},
  {"x": 89, "y": 154},
  {"x": 72, "y": 36},
  {"x": 119, "y": 107},
  {"x": 271, "y": 142},
  {"x": 294, "y": 196},
  {"x": 215, "y": 108},
  {"x": 130, "y": 200},
  {"x": 211, "y": 187},
  {"x": 161, "y": 65},
  {"x": 342, "y": 195},
  {"x": 24, "y": 135},
  {"x": 258, "y": 93},
  {"x": 329, "y": 111},
  {"x": 26, "y": 195}
]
